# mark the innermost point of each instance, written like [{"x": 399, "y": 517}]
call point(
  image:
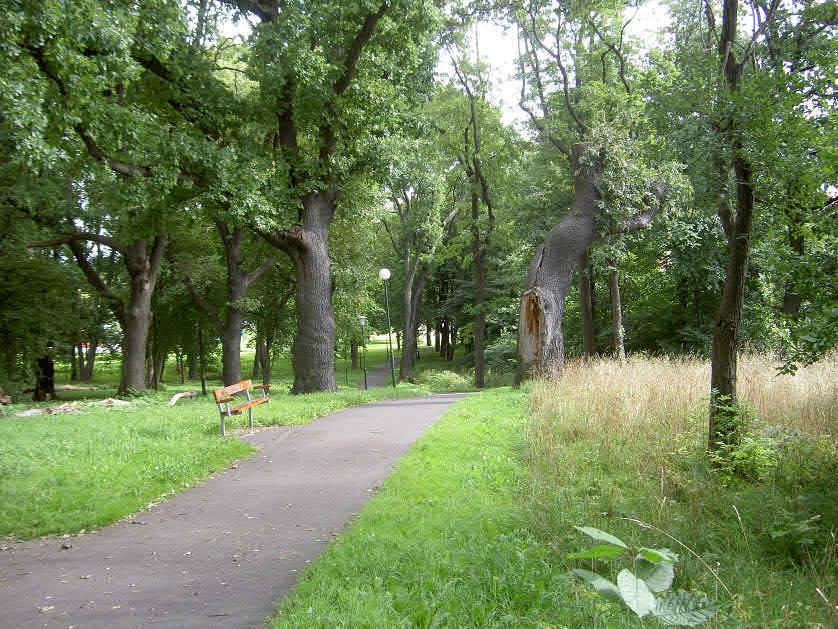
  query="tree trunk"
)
[
  {"x": 445, "y": 339},
  {"x": 586, "y": 308},
  {"x": 617, "y": 331},
  {"x": 438, "y": 336},
  {"x": 791, "y": 297},
  {"x": 428, "y": 340},
  {"x": 258, "y": 357},
  {"x": 313, "y": 351},
  {"x": 267, "y": 357},
  {"x": 202, "y": 360},
  {"x": 192, "y": 365},
  {"x": 722, "y": 424},
  {"x": 353, "y": 353},
  {"x": 479, "y": 294},
  {"x": 231, "y": 340},
  {"x": 540, "y": 336},
  {"x": 723, "y": 428},
  {"x": 452, "y": 341},
  {"x": 87, "y": 360},
  {"x": 136, "y": 325},
  {"x": 10, "y": 350},
  {"x": 74, "y": 368},
  {"x": 412, "y": 303}
]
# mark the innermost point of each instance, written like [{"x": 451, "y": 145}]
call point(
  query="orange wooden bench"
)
[{"x": 226, "y": 395}]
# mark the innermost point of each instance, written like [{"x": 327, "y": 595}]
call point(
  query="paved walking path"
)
[{"x": 221, "y": 554}]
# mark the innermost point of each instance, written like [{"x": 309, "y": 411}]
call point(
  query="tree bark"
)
[
  {"x": 74, "y": 368},
  {"x": 586, "y": 308},
  {"x": 428, "y": 340},
  {"x": 438, "y": 336},
  {"x": 143, "y": 271},
  {"x": 540, "y": 336},
  {"x": 412, "y": 304},
  {"x": 479, "y": 294},
  {"x": 87, "y": 360},
  {"x": 192, "y": 365},
  {"x": 313, "y": 350},
  {"x": 353, "y": 353},
  {"x": 617, "y": 332},
  {"x": 722, "y": 427}
]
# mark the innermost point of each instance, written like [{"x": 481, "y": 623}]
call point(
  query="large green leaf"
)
[
  {"x": 601, "y": 536},
  {"x": 635, "y": 593},
  {"x": 658, "y": 555},
  {"x": 684, "y": 609},
  {"x": 658, "y": 576},
  {"x": 602, "y": 551},
  {"x": 600, "y": 583}
]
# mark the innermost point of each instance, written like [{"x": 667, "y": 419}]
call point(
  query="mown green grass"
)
[
  {"x": 446, "y": 542},
  {"x": 473, "y": 527},
  {"x": 65, "y": 472}
]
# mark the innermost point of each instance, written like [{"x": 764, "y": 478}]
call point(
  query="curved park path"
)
[{"x": 221, "y": 554}]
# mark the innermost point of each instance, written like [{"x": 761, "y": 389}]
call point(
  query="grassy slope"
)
[
  {"x": 444, "y": 543},
  {"x": 66, "y": 472},
  {"x": 473, "y": 526}
]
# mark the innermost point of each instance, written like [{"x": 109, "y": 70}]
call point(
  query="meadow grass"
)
[
  {"x": 61, "y": 473},
  {"x": 474, "y": 525},
  {"x": 610, "y": 441}
]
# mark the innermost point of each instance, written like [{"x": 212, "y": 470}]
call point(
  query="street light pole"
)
[
  {"x": 384, "y": 274},
  {"x": 363, "y": 321}
]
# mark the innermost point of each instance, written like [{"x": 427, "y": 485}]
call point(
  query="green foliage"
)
[{"x": 653, "y": 574}]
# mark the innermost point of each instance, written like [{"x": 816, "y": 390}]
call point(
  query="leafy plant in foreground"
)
[{"x": 653, "y": 575}]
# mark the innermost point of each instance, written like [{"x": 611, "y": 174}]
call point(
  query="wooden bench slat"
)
[
  {"x": 231, "y": 390},
  {"x": 243, "y": 407},
  {"x": 261, "y": 386}
]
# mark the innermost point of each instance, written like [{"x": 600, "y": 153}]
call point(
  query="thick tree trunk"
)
[
  {"x": 586, "y": 308},
  {"x": 540, "y": 337},
  {"x": 137, "y": 320},
  {"x": 231, "y": 340},
  {"x": 313, "y": 351},
  {"x": 722, "y": 425},
  {"x": 438, "y": 336},
  {"x": 452, "y": 341},
  {"x": 428, "y": 340},
  {"x": 617, "y": 332}
]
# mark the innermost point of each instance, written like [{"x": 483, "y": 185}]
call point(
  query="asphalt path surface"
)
[{"x": 223, "y": 553}]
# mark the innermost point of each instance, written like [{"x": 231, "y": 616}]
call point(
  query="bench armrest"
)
[
  {"x": 261, "y": 386},
  {"x": 224, "y": 400}
]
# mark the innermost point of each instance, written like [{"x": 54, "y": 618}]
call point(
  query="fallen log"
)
[{"x": 179, "y": 396}]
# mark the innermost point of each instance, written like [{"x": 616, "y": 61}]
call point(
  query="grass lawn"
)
[
  {"x": 63, "y": 473},
  {"x": 474, "y": 525}
]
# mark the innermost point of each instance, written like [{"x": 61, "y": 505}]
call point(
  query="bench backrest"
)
[{"x": 220, "y": 394}]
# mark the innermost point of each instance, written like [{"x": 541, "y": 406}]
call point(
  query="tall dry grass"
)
[{"x": 656, "y": 396}]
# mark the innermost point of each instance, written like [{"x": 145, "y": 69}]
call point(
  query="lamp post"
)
[
  {"x": 363, "y": 321},
  {"x": 384, "y": 274}
]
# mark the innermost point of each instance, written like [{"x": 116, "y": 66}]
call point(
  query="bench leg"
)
[
  {"x": 250, "y": 416},
  {"x": 222, "y": 424}
]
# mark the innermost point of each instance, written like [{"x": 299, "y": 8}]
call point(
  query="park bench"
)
[{"x": 227, "y": 395}]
